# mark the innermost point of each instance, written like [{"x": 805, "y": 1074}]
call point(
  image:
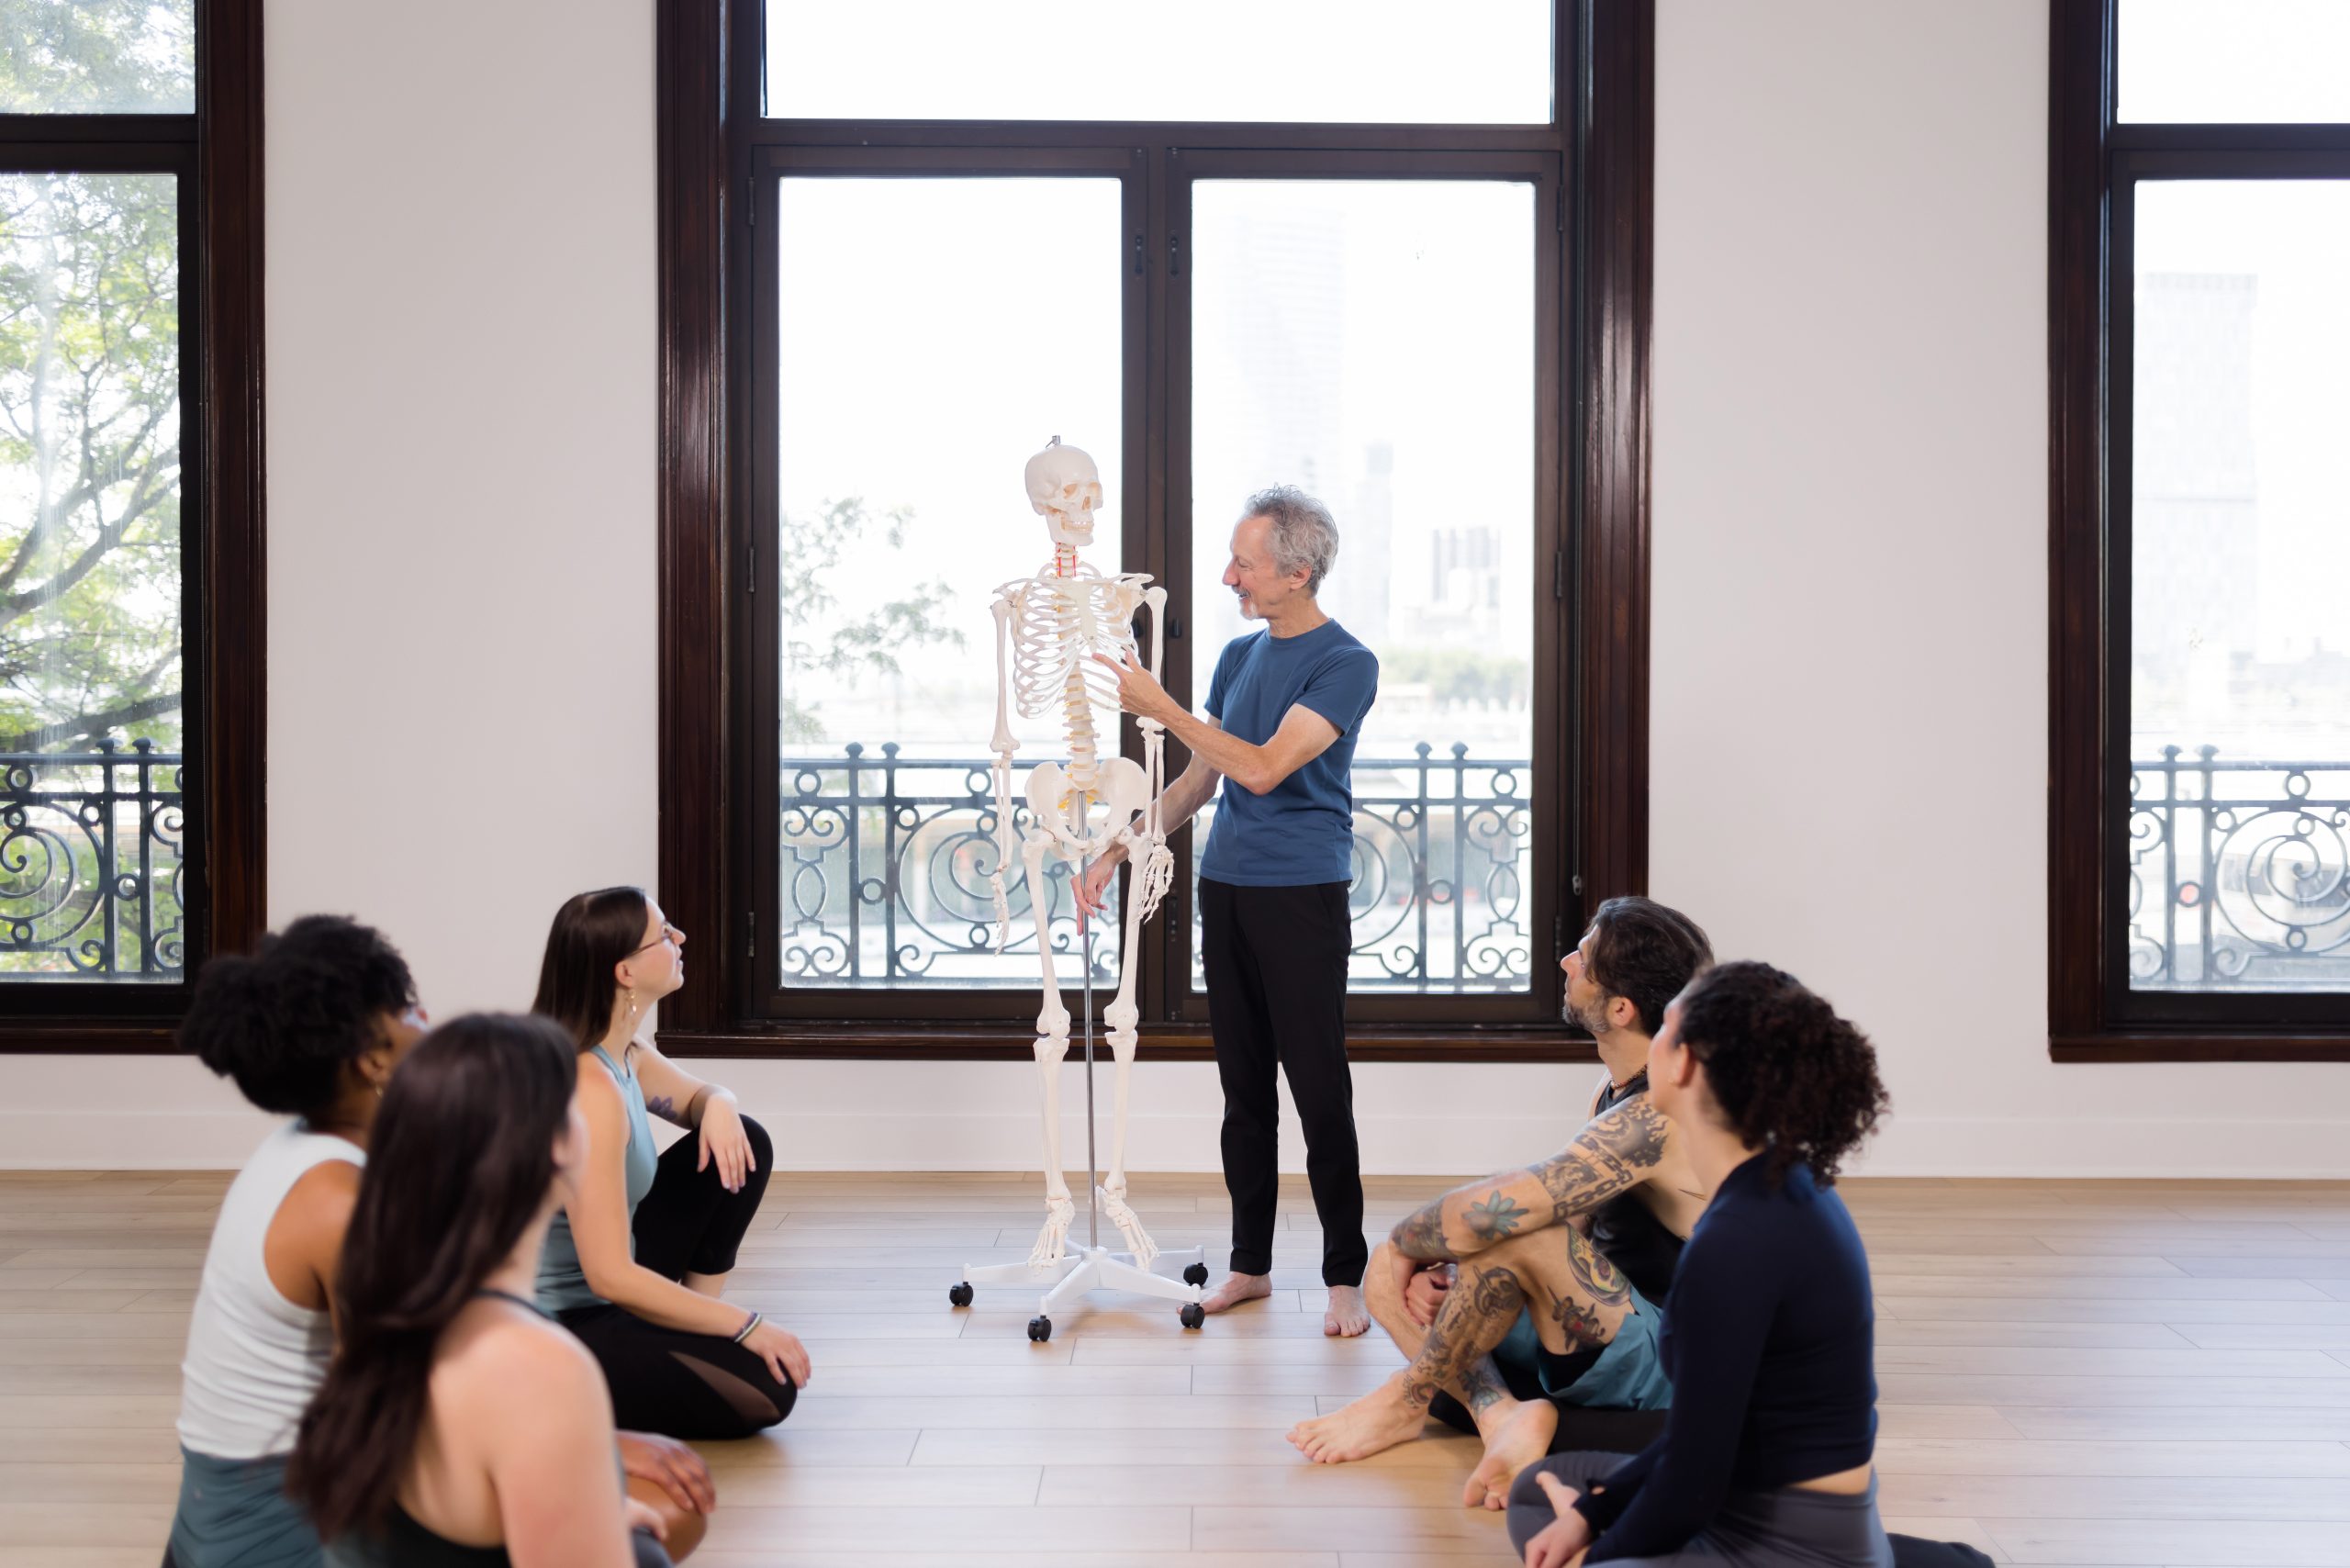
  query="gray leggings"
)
[{"x": 1785, "y": 1529}]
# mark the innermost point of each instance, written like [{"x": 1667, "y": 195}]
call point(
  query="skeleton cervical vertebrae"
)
[{"x": 1051, "y": 625}]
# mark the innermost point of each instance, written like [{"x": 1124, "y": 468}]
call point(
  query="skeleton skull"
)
[{"x": 1064, "y": 487}]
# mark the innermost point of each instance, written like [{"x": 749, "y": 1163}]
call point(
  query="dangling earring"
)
[{"x": 631, "y": 1005}]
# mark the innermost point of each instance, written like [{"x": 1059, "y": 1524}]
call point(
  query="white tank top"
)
[{"x": 254, "y": 1357}]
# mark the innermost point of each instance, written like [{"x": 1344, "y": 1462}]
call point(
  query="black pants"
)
[
  {"x": 666, "y": 1380},
  {"x": 1276, "y": 966}
]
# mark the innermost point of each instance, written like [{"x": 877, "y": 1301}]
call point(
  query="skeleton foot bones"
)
[
  {"x": 1129, "y": 1224},
  {"x": 1052, "y": 1242}
]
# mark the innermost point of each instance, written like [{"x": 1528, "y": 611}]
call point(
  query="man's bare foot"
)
[
  {"x": 1516, "y": 1433},
  {"x": 1348, "y": 1316},
  {"x": 1380, "y": 1419},
  {"x": 1235, "y": 1289}
]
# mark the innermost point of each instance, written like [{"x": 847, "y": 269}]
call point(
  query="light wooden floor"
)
[{"x": 2147, "y": 1374}]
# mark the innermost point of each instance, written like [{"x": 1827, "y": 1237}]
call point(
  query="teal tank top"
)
[{"x": 563, "y": 1285}]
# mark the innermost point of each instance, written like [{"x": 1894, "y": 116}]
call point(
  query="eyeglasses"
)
[{"x": 669, "y": 934}]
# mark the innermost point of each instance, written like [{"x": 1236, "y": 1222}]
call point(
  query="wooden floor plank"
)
[{"x": 2072, "y": 1375}]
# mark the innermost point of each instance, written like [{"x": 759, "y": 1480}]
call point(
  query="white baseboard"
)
[{"x": 1434, "y": 1145}]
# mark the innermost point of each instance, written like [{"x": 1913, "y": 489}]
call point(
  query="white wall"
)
[
  {"x": 1849, "y": 593},
  {"x": 1851, "y": 590}
]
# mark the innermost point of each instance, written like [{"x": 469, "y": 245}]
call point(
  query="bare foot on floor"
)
[
  {"x": 1516, "y": 1433},
  {"x": 1235, "y": 1289},
  {"x": 1380, "y": 1419},
  {"x": 1347, "y": 1316}
]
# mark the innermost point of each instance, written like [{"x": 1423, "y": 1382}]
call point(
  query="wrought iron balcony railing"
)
[
  {"x": 2239, "y": 874},
  {"x": 885, "y": 864},
  {"x": 90, "y": 865}
]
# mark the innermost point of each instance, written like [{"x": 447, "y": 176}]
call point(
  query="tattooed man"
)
[{"x": 1536, "y": 1288}]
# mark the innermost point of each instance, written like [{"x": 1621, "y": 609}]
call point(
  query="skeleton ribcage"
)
[{"x": 1059, "y": 625}]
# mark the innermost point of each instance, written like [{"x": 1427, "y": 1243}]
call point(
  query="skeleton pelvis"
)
[{"x": 1061, "y": 808}]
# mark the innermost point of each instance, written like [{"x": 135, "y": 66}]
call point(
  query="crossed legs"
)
[{"x": 1577, "y": 1300}]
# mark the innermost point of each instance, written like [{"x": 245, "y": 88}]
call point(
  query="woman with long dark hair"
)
[
  {"x": 636, "y": 1264},
  {"x": 1766, "y": 1459},
  {"x": 309, "y": 1025},
  {"x": 457, "y": 1425}
]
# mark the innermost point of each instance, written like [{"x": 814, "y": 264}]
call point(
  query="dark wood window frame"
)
[
  {"x": 2094, "y": 166},
  {"x": 1600, "y": 154},
  {"x": 217, "y": 154}
]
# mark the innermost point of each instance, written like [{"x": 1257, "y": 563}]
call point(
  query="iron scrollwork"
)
[
  {"x": 2239, "y": 874},
  {"x": 92, "y": 864},
  {"x": 884, "y": 863}
]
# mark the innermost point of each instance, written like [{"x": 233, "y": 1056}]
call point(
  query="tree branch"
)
[{"x": 88, "y": 726}]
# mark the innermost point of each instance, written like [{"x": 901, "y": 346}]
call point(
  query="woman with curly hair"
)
[
  {"x": 309, "y": 1025},
  {"x": 1767, "y": 1458},
  {"x": 458, "y": 1424},
  {"x": 637, "y": 1260}
]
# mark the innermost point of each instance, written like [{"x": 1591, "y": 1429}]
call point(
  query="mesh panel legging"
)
[{"x": 666, "y": 1380}]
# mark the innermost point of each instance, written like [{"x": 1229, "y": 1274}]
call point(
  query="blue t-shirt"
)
[{"x": 1300, "y": 832}]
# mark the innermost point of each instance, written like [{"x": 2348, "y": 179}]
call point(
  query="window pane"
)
[
  {"x": 931, "y": 343},
  {"x": 1396, "y": 61},
  {"x": 2239, "y": 632},
  {"x": 1372, "y": 342},
  {"x": 90, "y": 577},
  {"x": 2248, "y": 60},
  {"x": 97, "y": 57}
]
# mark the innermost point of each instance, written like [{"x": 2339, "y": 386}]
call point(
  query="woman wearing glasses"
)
[{"x": 636, "y": 1264}]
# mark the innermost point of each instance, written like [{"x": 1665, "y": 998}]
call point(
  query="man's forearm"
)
[
  {"x": 1228, "y": 755},
  {"x": 1177, "y": 804}
]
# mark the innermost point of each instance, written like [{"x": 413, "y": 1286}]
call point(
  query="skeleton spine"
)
[{"x": 1076, "y": 708}]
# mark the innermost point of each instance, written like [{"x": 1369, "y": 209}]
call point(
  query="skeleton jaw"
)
[{"x": 1074, "y": 529}]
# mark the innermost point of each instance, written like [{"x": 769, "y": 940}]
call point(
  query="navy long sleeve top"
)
[{"x": 1769, "y": 1338}]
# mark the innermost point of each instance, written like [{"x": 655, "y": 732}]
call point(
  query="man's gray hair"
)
[{"x": 1303, "y": 532}]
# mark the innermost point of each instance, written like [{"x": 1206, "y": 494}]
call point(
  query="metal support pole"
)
[{"x": 1092, "y": 1170}]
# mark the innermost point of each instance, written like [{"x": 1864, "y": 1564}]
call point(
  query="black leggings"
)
[{"x": 666, "y": 1380}]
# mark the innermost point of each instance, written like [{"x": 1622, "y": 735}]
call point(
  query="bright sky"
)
[
  {"x": 955, "y": 326},
  {"x": 2292, "y": 238},
  {"x": 2234, "y": 59},
  {"x": 1487, "y": 62}
]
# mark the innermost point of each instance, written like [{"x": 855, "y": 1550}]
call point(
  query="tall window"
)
[
  {"x": 2215, "y": 141},
  {"x": 1351, "y": 266},
  {"x": 119, "y": 856}
]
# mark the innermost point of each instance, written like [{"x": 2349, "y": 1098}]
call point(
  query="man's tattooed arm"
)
[{"x": 1615, "y": 1153}]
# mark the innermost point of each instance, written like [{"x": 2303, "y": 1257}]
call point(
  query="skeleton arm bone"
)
[
  {"x": 1154, "y": 732},
  {"x": 1002, "y": 744}
]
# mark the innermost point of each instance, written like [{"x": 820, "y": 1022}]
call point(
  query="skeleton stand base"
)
[{"x": 1093, "y": 1267}]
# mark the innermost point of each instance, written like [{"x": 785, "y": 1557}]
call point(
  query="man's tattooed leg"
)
[
  {"x": 1476, "y": 1315},
  {"x": 1482, "y": 1387}
]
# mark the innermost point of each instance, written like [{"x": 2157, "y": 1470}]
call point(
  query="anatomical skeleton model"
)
[{"x": 1049, "y": 629}]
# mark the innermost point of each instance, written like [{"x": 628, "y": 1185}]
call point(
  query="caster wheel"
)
[
  {"x": 1040, "y": 1330},
  {"x": 1197, "y": 1274},
  {"x": 960, "y": 1294},
  {"x": 1193, "y": 1315}
]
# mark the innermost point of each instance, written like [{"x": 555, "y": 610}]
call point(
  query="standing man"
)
[{"x": 1283, "y": 712}]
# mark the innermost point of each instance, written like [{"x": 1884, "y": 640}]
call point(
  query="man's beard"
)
[{"x": 1597, "y": 1027}]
